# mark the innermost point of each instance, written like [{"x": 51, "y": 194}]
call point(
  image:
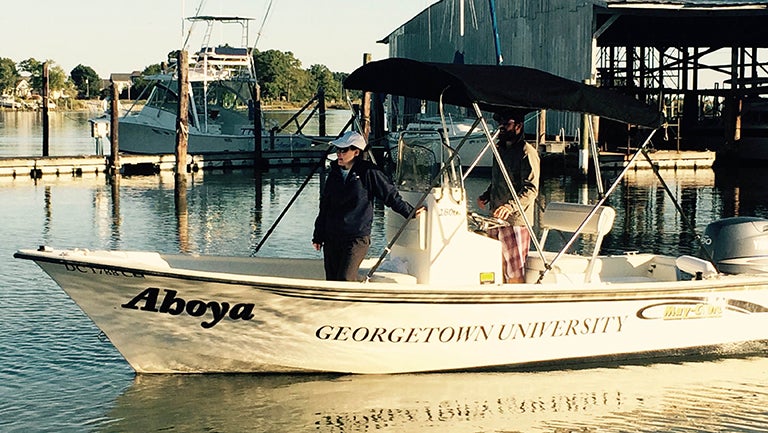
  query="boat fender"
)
[{"x": 695, "y": 266}]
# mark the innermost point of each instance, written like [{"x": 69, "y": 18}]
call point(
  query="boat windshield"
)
[
  {"x": 164, "y": 97},
  {"x": 226, "y": 95},
  {"x": 423, "y": 162}
]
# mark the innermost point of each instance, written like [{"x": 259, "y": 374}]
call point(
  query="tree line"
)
[{"x": 280, "y": 75}]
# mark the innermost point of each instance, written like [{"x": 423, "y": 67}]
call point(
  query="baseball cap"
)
[{"x": 350, "y": 138}]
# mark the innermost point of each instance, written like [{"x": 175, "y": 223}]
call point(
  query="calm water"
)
[{"x": 58, "y": 375}]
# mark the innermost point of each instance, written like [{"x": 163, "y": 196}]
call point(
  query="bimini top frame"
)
[
  {"x": 495, "y": 88},
  {"x": 498, "y": 88}
]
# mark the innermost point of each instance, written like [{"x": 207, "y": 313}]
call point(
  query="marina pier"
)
[{"x": 82, "y": 165}]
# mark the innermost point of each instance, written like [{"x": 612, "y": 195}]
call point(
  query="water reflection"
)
[
  {"x": 724, "y": 395},
  {"x": 182, "y": 212},
  {"x": 63, "y": 378},
  {"x": 235, "y": 212}
]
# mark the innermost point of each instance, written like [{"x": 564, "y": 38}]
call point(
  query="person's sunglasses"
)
[{"x": 342, "y": 149}]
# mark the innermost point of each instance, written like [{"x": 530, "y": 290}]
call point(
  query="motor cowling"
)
[{"x": 737, "y": 245}]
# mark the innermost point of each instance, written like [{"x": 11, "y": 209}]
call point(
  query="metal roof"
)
[
  {"x": 689, "y": 23},
  {"x": 689, "y": 3}
]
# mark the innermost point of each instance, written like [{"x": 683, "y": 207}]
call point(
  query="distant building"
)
[
  {"x": 124, "y": 81},
  {"x": 23, "y": 88}
]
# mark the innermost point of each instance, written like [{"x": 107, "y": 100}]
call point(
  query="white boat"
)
[
  {"x": 433, "y": 300},
  {"x": 447, "y": 129},
  {"x": 222, "y": 114}
]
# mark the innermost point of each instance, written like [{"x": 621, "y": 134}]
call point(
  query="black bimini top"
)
[{"x": 497, "y": 88}]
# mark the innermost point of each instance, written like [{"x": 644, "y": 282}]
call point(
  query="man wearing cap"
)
[
  {"x": 343, "y": 225},
  {"x": 522, "y": 163}
]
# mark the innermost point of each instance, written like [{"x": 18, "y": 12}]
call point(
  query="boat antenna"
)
[{"x": 263, "y": 22}]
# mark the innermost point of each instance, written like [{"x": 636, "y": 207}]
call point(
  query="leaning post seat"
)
[{"x": 566, "y": 218}]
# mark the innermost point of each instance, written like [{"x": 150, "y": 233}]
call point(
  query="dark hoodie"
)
[{"x": 346, "y": 206}]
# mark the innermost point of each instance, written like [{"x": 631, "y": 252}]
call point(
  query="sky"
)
[{"x": 125, "y": 36}]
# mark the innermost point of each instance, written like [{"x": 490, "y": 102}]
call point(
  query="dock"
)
[
  {"x": 662, "y": 159},
  {"x": 80, "y": 165},
  {"x": 555, "y": 154}
]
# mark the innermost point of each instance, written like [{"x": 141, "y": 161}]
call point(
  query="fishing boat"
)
[
  {"x": 434, "y": 299},
  {"x": 447, "y": 129},
  {"x": 222, "y": 112}
]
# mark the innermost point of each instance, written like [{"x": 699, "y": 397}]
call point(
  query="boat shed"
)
[{"x": 701, "y": 54}]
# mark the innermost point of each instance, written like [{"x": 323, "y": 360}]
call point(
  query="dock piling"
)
[
  {"x": 46, "y": 84},
  {"x": 114, "y": 113},
  {"x": 182, "y": 116}
]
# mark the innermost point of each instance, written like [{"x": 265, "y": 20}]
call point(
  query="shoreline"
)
[{"x": 97, "y": 106}]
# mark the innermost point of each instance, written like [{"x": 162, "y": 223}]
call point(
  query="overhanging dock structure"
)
[{"x": 704, "y": 63}]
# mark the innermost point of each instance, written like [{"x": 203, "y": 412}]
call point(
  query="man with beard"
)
[{"x": 521, "y": 161}]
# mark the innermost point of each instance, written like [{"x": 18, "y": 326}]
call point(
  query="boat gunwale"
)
[{"x": 389, "y": 293}]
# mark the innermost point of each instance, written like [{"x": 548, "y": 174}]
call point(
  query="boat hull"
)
[
  {"x": 164, "y": 319},
  {"x": 140, "y": 137}
]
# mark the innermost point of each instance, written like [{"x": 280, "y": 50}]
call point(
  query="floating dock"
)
[
  {"x": 555, "y": 155},
  {"x": 37, "y": 167},
  {"x": 663, "y": 159}
]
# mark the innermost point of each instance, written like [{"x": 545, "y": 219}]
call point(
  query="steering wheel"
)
[{"x": 484, "y": 223}]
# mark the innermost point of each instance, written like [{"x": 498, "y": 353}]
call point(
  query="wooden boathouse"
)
[{"x": 702, "y": 62}]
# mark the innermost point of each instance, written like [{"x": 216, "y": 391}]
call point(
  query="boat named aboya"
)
[{"x": 434, "y": 299}]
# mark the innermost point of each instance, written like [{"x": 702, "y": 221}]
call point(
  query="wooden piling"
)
[
  {"x": 182, "y": 114},
  {"x": 258, "y": 146},
  {"x": 365, "y": 112},
  {"x": 46, "y": 84},
  {"x": 114, "y": 158},
  {"x": 542, "y": 138},
  {"x": 321, "y": 111},
  {"x": 584, "y": 151}
]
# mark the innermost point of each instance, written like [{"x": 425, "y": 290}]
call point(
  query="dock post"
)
[
  {"x": 365, "y": 107},
  {"x": 378, "y": 139},
  {"x": 542, "y": 129},
  {"x": 113, "y": 166},
  {"x": 258, "y": 139},
  {"x": 182, "y": 116},
  {"x": 321, "y": 111},
  {"x": 46, "y": 84},
  {"x": 584, "y": 151}
]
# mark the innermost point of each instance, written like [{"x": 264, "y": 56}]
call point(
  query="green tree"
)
[
  {"x": 303, "y": 87},
  {"x": 339, "y": 78},
  {"x": 57, "y": 78},
  {"x": 280, "y": 75},
  {"x": 86, "y": 81},
  {"x": 8, "y": 74},
  {"x": 141, "y": 84},
  {"x": 323, "y": 77}
]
